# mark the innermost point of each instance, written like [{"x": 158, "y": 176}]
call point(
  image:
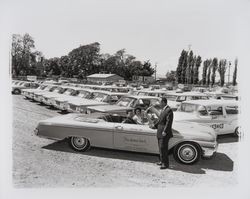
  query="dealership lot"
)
[{"x": 40, "y": 162}]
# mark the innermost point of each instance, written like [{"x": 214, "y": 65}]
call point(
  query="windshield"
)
[
  {"x": 84, "y": 94},
  {"x": 100, "y": 97},
  {"x": 125, "y": 101},
  {"x": 42, "y": 87},
  {"x": 189, "y": 108},
  {"x": 20, "y": 83},
  {"x": 68, "y": 91},
  {"x": 171, "y": 97},
  {"x": 58, "y": 90},
  {"x": 142, "y": 94}
]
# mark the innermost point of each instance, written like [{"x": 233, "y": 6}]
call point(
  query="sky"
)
[{"x": 155, "y": 30}]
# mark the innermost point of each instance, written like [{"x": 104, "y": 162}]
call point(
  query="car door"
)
[
  {"x": 231, "y": 119},
  {"x": 135, "y": 137},
  {"x": 218, "y": 118}
]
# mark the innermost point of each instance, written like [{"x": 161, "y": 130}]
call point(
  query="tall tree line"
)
[
  {"x": 79, "y": 62},
  {"x": 187, "y": 71}
]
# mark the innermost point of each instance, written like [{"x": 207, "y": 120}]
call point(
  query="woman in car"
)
[{"x": 138, "y": 118}]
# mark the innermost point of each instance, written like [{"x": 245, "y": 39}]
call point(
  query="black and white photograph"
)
[{"x": 122, "y": 97}]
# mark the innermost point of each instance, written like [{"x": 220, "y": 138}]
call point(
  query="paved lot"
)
[{"x": 40, "y": 162}]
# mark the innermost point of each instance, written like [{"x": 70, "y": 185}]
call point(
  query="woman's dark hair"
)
[
  {"x": 164, "y": 99},
  {"x": 137, "y": 109}
]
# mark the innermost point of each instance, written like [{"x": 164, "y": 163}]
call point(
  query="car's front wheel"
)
[
  {"x": 79, "y": 143},
  {"x": 187, "y": 153},
  {"x": 17, "y": 92}
]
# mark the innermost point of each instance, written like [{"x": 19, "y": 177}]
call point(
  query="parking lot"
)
[{"x": 40, "y": 162}]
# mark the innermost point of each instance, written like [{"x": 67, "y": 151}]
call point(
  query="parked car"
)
[
  {"x": 63, "y": 91},
  {"x": 36, "y": 95},
  {"x": 126, "y": 103},
  {"x": 155, "y": 93},
  {"x": 98, "y": 98},
  {"x": 61, "y": 102},
  {"x": 26, "y": 92},
  {"x": 220, "y": 115},
  {"x": 222, "y": 96},
  {"x": 17, "y": 88},
  {"x": 175, "y": 99},
  {"x": 190, "y": 141}
]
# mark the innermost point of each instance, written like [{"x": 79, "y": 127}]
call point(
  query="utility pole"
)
[{"x": 155, "y": 69}]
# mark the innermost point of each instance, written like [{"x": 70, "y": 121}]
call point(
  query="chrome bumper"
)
[{"x": 208, "y": 151}]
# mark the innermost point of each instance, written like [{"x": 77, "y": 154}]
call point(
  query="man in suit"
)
[{"x": 164, "y": 132}]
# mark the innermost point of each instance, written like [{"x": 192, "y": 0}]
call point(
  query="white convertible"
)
[{"x": 190, "y": 141}]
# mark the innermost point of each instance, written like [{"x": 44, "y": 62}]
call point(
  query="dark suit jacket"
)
[{"x": 164, "y": 124}]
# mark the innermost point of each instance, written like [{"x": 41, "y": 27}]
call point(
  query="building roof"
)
[{"x": 98, "y": 75}]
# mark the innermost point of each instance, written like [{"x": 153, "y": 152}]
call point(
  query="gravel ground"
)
[{"x": 41, "y": 163}]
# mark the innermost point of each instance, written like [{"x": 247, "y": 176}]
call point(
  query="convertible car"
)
[{"x": 189, "y": 143}]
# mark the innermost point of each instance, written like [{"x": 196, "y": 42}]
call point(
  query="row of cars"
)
[{"x": 100, "y": 115}]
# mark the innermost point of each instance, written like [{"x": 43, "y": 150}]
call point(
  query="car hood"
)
[
  {"x": 85, "y": 102},
  {"x": 180, "y": 116},
  {"x": 50, "y": 95},
  {"x": 173, "y": 104},
  {"x": 66, "y": 98},
  {"x": 193, "y": 131},
  {"x": 109, "y": 108},
  {"x": 18, "y": 87},
  {"x": 41, "y": 92},
  {"x": 30, "y": 89}
]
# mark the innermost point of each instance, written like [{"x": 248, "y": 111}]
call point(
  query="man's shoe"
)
[
  {"x": 164, "y": 166},
  {"x": 159, "y": 163}
]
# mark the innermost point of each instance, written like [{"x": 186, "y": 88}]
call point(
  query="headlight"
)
[{"x": 88, "y": 111}]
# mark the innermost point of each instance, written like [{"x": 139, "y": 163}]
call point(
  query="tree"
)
[
  {"x": 208, "y": 75},
  {"x": 184, "y": 68},
  {"x": 190, "y": 62},
  {"x": 222, "y": 71},
  {"x": 84, "y": 60},
  {"x": 206, "y": 65},
  {"x": 235, "y": 71},
  {"x": 52, "y": 66},
  {"x": 214, "y": 69},
  {"x": 193, "y": 70},
  {"x": 197, "y": 65},
  {"x": 22, "y": 54},
  {"x": 180, "y": 66},
  {"x": 171, "y": 76}
]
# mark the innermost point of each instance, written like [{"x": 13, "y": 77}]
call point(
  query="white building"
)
[{"x": 104, "y": 78}]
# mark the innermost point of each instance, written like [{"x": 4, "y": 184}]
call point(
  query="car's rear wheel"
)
[
  {"x": 187, "y": 153},
  {"x": 79, "y": 143},
  {"x": 17, "y": 91}
]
